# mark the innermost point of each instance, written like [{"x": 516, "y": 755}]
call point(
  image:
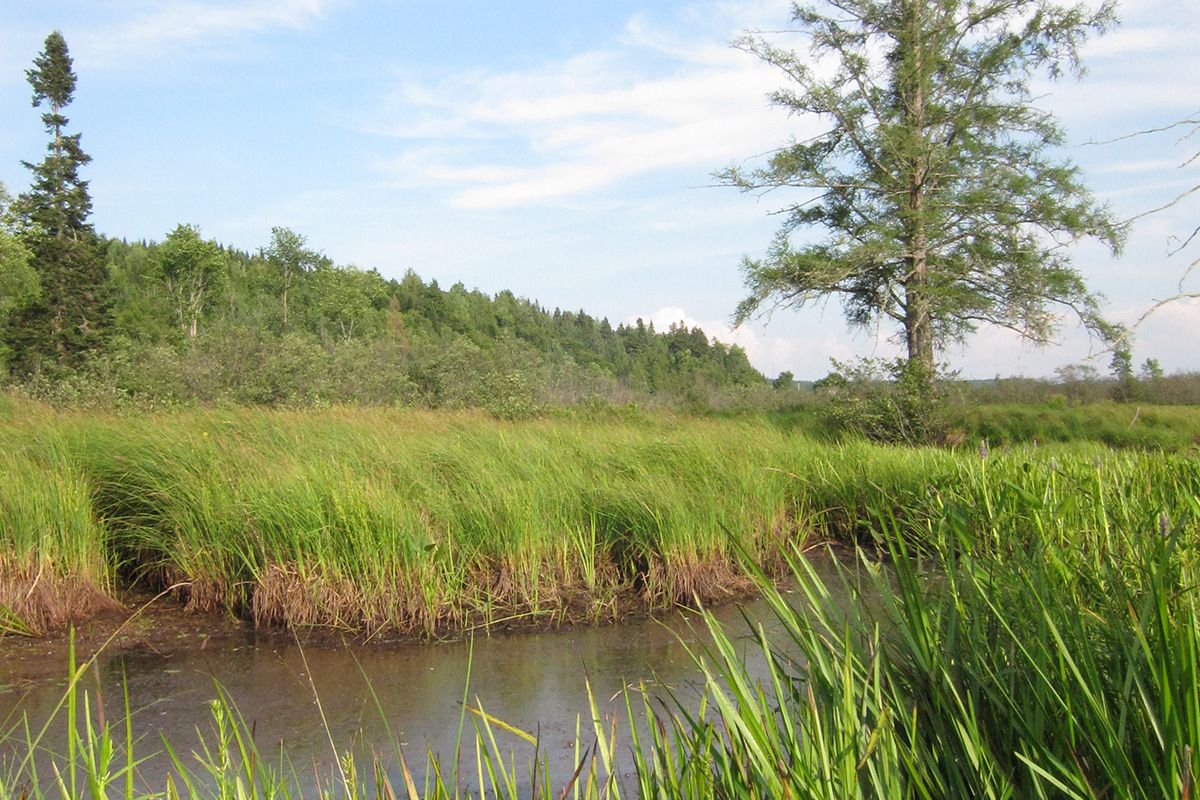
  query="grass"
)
[
  {"x": 419, "y": 522},
  {"x": 1031, "y": 631},
  {"x": 1034, "y": 631},
  {"x": 1040, "y": 641},
  {"x": 54, "y": 565},
  {"x": 1118, "y": 425},
  {"x": 1130, "y": 425},
  {"x": 422, "y": 522}
]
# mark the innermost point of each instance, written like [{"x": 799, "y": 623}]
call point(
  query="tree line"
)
[
  {"x": 937, "y": 181},
  {"x": 86, "y": 317}
]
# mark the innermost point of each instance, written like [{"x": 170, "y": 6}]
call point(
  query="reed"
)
[
  {"x": 1043, "y": 642},
  {"x": 417, "y": 522},
  {"x": 1033, "y": 630},
  {"x": 54, "y": 564}
]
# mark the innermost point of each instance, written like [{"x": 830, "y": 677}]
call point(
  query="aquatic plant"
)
[{"x": 430, "y": 523}]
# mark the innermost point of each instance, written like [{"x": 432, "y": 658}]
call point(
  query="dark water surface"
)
[{"x": 535, "y": 681}]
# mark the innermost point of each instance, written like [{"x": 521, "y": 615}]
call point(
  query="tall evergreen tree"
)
[
  {"x": 70, "y": 315},
  {"x": 18, "y": 280},
  {"x": 937, "y": 178}
]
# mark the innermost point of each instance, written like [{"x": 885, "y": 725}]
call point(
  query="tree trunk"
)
[
  {"x": 918, "y": 314},
  {"x": 60, "y": 200},
  {"x": 918, "y": 322}
]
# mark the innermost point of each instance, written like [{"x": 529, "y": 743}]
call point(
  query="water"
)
[{"x": 534, "y": 681}]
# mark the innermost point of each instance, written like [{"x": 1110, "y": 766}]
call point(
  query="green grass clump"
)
[
  {"x": 1059, "y": 660},
  {"x": 429, "y": 522},
  {"x": 54, "y": 566},
  {"x": 421, "y": 522},
  {"x": 1122, "y": 425}
]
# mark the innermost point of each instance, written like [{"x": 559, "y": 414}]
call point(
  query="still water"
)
[{"x": 534, "y": 681}]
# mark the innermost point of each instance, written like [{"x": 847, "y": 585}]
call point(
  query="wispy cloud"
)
[
  {"x": 1143, "y": 69},
  {"x": 152, "y": 31},
  {"x": 587, "y": 122},
  {"x": 1140, "y": 39}
]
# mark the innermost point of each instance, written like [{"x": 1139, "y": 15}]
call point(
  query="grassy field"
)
[
  {"x": 423, "y": 522},
  {"x": 1032, "y": 631},
  {"x": 1138, "y": 426}
]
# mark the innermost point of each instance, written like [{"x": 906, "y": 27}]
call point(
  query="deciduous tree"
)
[
  {"x": 345, "y": 299},
  {"x": 192, "y": 270},
  {"x": 289, "y": 255}
]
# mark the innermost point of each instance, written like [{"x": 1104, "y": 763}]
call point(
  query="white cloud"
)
[
  {"x": 160, "y": 29},
  {"x": 1133, "y": 41},
  {"x": 1139, "y": 75},
  {"x": 1167, "y": 326},
  {"x": 1136, "y": 166},
  {"x": 804, "y": 352},
  {"x": 592, "y": 120}
]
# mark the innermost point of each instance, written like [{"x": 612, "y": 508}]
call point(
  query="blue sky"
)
[{"x": 559, "y": 149}]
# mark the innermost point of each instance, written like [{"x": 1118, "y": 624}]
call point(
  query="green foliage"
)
[
  {"x": 431, "y": 347},
  {"x": 68, "y": 318},
  {"x": 53, "y": 564},
  {"x": 192, "y": 270},
  {"x": 1147, "y": 427},
  {"x": 58, "y": 203},
  {"x": 935, "y": 178},
  {"x": 885, "y": 401},
  {"x": 510, "y": 396},
  {"x": 291, "y": 260},
  {"x": 424, "y": 522},
  {"x": 346, "y": 301},
  {"x": 573, "y": 510},
  {"x": 19, "y": 285},
  {"x": 1080, "y": 382},
  {"x": 1042, "y": 642},
  {"x": 1127, "y": 387}
]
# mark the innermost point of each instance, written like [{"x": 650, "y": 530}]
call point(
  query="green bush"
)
[{"x": 885, "y": 401}]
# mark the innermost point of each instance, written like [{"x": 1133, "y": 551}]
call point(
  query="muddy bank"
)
[{"x": 328, "y": 609}]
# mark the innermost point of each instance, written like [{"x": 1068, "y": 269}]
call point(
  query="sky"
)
[{"x": 563, "y": 149}]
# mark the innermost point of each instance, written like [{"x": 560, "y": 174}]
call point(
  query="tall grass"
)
[
  {"x": 416, "y": 522},
  {"x": 1127, "y": 425},
  {"x": 430, "y": 522},
  {"x": 1043, "y": 641},
  {"x": 1032, "y": 631},
  {"x": 54, "y": 566}
]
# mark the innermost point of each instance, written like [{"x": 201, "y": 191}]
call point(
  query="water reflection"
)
[{"x": 533, "y": 681}]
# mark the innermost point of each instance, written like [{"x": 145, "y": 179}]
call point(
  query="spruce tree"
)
[{"x": 70, "y": 316}]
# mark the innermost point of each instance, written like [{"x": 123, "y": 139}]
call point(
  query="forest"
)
[
  {"x": 286, "y": 326},
  {"x": 90, "y": 319},
  {"x": 947, "y": 588}
]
